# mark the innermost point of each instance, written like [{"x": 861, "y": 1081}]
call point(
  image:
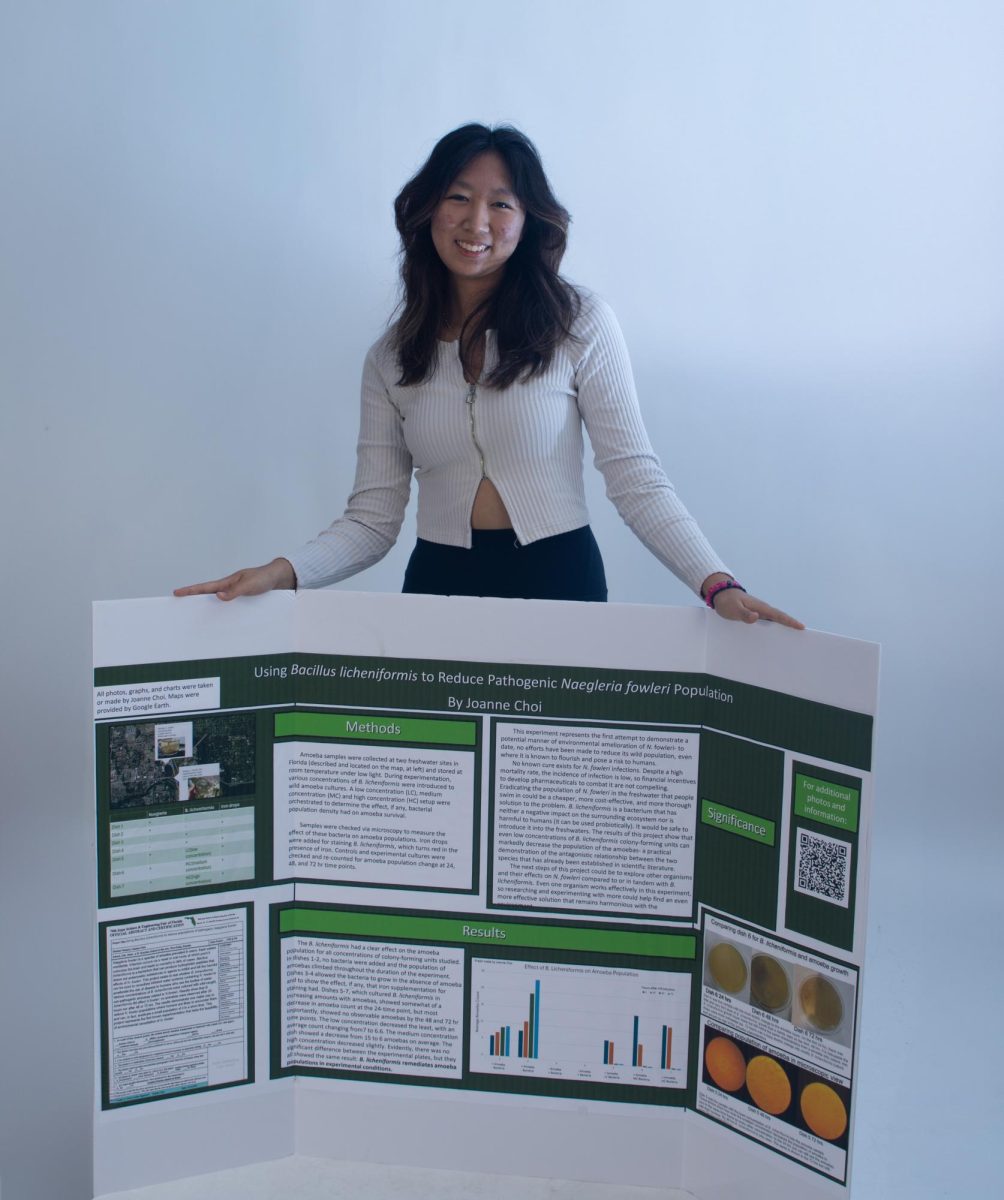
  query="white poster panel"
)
[{"x": 580, "y": 869}]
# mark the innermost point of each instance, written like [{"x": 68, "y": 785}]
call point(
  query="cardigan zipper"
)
[{"x": 472, "y": 392}]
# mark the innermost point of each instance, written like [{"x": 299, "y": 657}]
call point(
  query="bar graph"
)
[
  {"x": 527, "y": 1036},
  {"x": 573, "y": 1021},
  {"x": 638, "y": 1048},
  {"x": 666, "y": 1057}
]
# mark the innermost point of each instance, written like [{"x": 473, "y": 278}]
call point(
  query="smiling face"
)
[{"x": 478, "y": 223}]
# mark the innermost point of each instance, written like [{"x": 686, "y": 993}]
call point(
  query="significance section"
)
[
  {"x": 374, "y": 1007},
  {"x": 176, "y": 1004},
  {"x": 594, "y": 819}
]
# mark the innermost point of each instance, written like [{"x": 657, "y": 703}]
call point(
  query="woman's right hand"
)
[{"x": 251, "y": 581}]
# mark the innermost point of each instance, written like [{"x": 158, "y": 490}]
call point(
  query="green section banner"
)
[
  {"x": 375, "y": 728},
  {"x": 830, "y": 803},
  {"x": 734, "y": 820},
  {"x": 477, "y": 930}
]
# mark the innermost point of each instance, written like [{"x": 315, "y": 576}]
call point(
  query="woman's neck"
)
[{"x": 466, "y": 296}]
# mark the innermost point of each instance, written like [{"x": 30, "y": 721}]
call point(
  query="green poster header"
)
[
  {"x": 479, "y": 931},
  {"x": 561, "y": 693},
  {"x": 734, "y": 820},
  {"x": 831, "y": 803},
  {"x": 375, "y": 728}
]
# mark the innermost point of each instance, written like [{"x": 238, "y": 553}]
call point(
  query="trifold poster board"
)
[{"x": 545, "y": 889}]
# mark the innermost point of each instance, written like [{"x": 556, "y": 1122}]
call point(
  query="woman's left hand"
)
[{"x": 736, "y": 605}]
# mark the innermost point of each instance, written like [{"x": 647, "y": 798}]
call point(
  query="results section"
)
[
  {"x": 596, "y": 1011},
  {"x": 385, "y": 1007}
]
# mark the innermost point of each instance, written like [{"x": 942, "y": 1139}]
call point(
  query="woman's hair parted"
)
[{"x": 531, "y": 310}]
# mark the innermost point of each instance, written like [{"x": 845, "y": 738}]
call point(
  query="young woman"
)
[{"x": 480, "y": 389}]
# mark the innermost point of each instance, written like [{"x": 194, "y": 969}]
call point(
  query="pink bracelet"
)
[{"x": 723, "y": 586}]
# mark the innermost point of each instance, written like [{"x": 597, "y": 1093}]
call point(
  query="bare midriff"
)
[{"x": 488, "y": 511}]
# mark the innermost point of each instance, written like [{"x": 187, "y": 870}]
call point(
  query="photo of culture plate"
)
[
  {"x": 749, "y": 1074},
  {"x": 823, "y": 1004},
  {"x": 768, "y": 1084},
  {"x": 770, "y": 985},
  {"x": 725, "y": 1063},
  {"x": 824, "y": 1110},
  {"x": 725, "y": 969}
]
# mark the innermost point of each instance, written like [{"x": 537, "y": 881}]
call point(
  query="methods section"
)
[{"x": 379, "y": 799}]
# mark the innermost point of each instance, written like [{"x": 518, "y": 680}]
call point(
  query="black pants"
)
[{"x": 567, "y": 566}]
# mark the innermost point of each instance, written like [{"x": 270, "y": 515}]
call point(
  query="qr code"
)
[{"x": 822, "y": 867}]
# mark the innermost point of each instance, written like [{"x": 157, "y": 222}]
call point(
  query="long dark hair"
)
[{"x": 531, "y": 310}]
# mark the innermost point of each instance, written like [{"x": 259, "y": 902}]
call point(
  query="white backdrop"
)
[{"x": 795, "y": 209}]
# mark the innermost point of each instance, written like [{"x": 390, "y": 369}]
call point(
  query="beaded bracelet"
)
[{"x": 723, "y": 586}]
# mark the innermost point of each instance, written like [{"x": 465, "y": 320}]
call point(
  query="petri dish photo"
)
[
  {"x": 725, "y": 1063},
  {"x": 821, "y": 1004},
  {"x": 823, "y": 1111},
  {"x": 727, "y": 968},
  {"x": 769, "y": 986},
  {"x": 768, "y": 1084}
]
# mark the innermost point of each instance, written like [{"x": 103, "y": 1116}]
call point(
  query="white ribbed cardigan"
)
[{"x": 526, "y": 439}]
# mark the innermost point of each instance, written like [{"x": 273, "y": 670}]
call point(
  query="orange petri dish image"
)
[
  {"x": 768, "y": 1084},
  {"x": 725, "y": 1064},
  {"x": 824, "y": 1111},
  {"x": 727, "y": 968}
]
